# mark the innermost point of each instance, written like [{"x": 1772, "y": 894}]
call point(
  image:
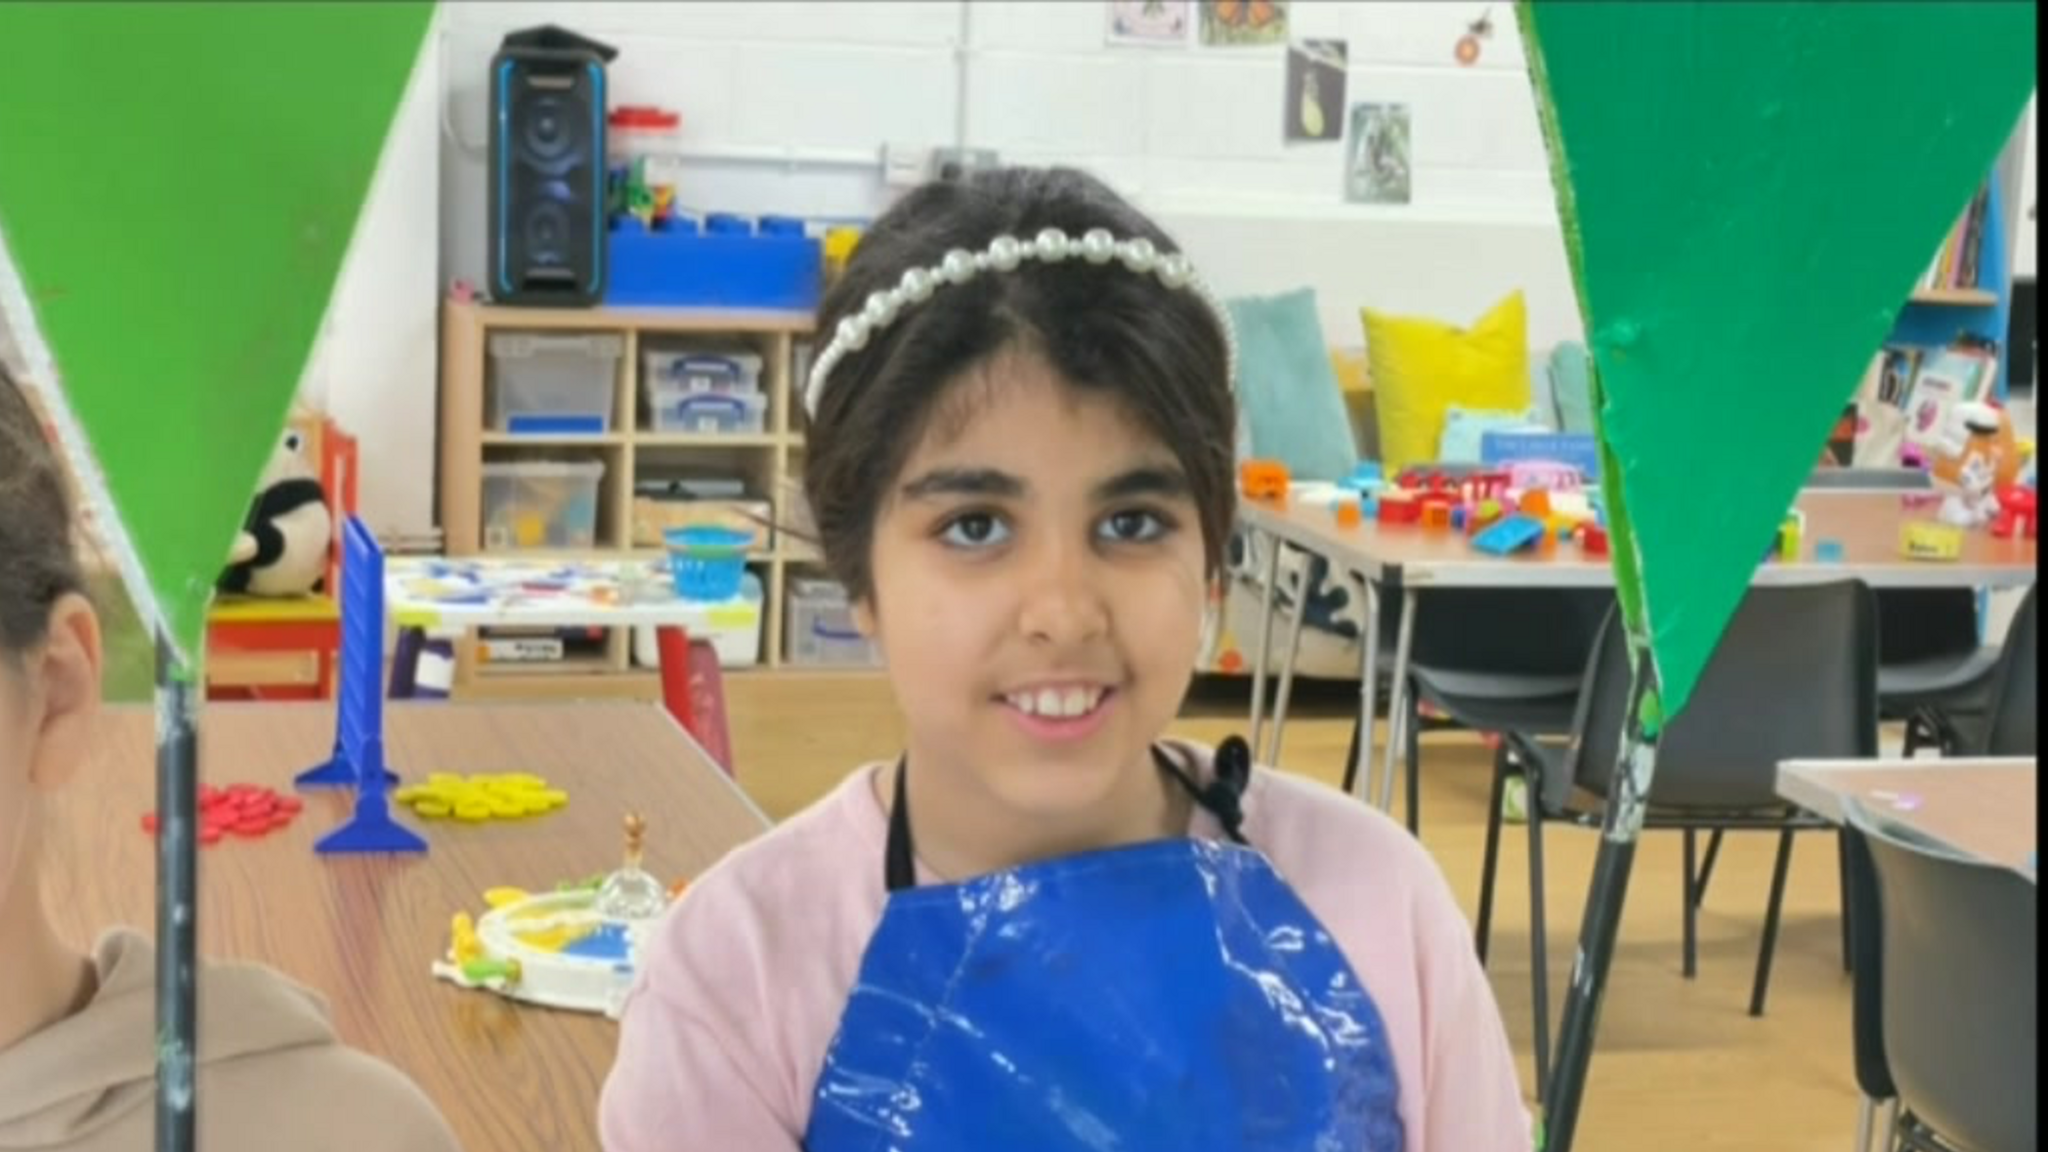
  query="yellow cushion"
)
[
  {"x": 1419, "y": 367},
  {"x": 273, "y": 610}
]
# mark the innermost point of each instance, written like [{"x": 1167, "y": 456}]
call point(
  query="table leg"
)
[
  {"x": 1270, "y": 595},
  {"x": 405, "y": 663},
  {"x": 674, "y": 646},
  {"x": 1286, "y": 688},
  {"x": 1368, "y": 688},
  {"x": 1397, "y": 698}
]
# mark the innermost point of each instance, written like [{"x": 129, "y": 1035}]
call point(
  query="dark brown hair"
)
[
  {"x": 38, "y": 562},
  {"x": 1159, "y": 351}
]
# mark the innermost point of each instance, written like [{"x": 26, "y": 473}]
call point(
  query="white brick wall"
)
[{"x": 1192, "y": 134}]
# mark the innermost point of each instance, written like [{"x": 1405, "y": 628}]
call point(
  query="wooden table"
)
[
  {"x": 1980, "y": 808},
  {"x": 1408, "y": 558},
  {"x": 364, "y": 930}
]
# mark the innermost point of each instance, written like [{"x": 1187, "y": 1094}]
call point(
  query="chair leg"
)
[
  {"x": 1891, "y": 1126},
  {"x": 1699, "y": 893},
  {"x": 1771, "y": 911},
  {"x": 1866, "y": 1123},
  {"x": 1912, "y": 745},
  {"x": 1414, "y": 751},
  {"x": 1848, "y": 906},
  {"x": 1689, "y": 933},
  {"x": 1351, "y": 756},
  {"x": 1539, "y": 949},
  {"x": 1482, "y": 924}
]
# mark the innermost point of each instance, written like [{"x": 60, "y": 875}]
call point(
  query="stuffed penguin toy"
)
[{"x": 284, "y": 544}]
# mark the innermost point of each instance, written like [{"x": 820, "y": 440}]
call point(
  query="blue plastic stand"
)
[{"x": 358, "y": 759}]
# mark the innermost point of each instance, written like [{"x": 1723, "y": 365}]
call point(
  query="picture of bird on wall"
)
[
  {"x": 1377, "y": 168},
  {"x": 1240, "y": 23},
  {"x": 1313, "y": 107}
]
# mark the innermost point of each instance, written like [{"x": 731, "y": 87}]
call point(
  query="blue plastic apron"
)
[{"x": 1174, "y": 996}]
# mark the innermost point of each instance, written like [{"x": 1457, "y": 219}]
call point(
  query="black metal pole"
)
[
  {"x": 1628, "y": 799},
  {"x": 177, "y": 913}
]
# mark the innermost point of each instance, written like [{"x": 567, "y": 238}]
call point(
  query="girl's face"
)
[{"x": 1038, "y": 585}]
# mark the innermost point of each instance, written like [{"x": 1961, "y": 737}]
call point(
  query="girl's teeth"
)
[{"x": 1052, "y": 702}]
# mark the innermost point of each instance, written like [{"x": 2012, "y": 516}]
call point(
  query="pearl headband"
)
[{"x": 1004, "y": 254}]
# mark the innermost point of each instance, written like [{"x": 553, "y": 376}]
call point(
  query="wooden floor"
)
[{"x": 1679, "y": 1063}]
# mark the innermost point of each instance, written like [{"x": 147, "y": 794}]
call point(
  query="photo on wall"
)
[
  {"x": 1377, "y": 168},
  {"x": 1314, "y": 103},
  {"x": 1243, "y": 23},
  {"x": 1150, "y": 23}
]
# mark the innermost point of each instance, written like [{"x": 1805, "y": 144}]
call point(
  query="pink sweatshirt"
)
[{"x": 742, "y": 985}]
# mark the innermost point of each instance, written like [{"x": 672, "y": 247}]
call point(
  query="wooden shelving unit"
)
[{"x": 770, "y": 461}]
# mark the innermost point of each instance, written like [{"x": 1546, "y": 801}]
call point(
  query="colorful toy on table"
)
[
  {"x": 1592, "y": 540},
  {"x": 575, "y": 948},
  {"x": 2018, "y": 513},
  {"x": 1367, "y": 476},
  {"x": 1970, "y": 462},
  {"x": 1350, "y": 513},
  {"x": 245, "y": 810},
  {"x": 1399, "y": 506},
  {"x": 1826, "y": 551},
  {"x": 1543, "y": 475},
  {"x": 1930, "y": 540},
  {"x": 482, "y": 797},
  {"x": 1263, "y": 480},
  {"x": 1509, "y": 535}
]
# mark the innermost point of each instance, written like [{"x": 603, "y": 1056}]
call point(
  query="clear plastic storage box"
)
[
  {"x": 701, "y": 369},
  {"x": 541, "y": 504},
  {"x": 674, "y": 409},
  {"x": 549, "y": 384},
  {"x": 820, "y": 629}
]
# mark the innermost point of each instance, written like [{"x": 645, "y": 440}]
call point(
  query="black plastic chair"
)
[
  {"x": 1932, "y": 671},
  {"x": 1497, "y": 660},
  {"x": 1794, "y": 677},
  {"x": 2009, "y": 730},
  {"x": 1943, "y": 1011}
]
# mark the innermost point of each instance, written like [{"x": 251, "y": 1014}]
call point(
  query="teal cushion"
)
[
  {"x": 1570, "y": 387},
  {"x": 1287, "y": 388},
  {"x": 1463, "y": 428}
]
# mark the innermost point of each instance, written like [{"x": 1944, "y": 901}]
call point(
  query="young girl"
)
[
  {"x": 1045, "y": 927},
  {"x": 77, "y": 1032}
]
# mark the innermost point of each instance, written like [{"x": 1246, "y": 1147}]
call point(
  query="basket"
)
[{"x": 707, "y": 561}]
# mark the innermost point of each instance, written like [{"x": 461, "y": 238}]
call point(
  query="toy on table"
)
[
  {"x": 1827, "y": 551},
  {"x": 245, "y": 810},
  {"x": 1511, "y": 534},
  {"x": 474, "y": 799},
  {"x": 1263, "y": 479},
  {"x": 1350, "y": 513},
  {"x": 575, "y": 948},
  {"x": 1592, "y": 540},
  {"x": 358, "y": 758},
  {"x": 1971, "y": 461},
  {"x": 282, "y": 549},
  {"x": 2018, "y": 513},
  {"x": 1399, "y": 506},
  {"x": 1365, "y": 477},
  {"x": 1930, "y": 540}
]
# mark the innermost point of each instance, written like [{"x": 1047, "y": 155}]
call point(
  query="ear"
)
[{"x": 67, "y": 669}]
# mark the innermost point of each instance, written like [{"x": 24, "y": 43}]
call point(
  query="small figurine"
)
[{"x": 631, "y": 893}]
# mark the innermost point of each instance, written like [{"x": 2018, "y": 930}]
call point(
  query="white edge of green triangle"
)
[{"x": 18, "y": 315}]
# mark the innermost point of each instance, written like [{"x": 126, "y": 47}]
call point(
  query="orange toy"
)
[
  {"x": 1263, "y": 479},
  {"x": 1436, "y": 514},
  {"x": 1349, "y": 514},
  {"x": 1536, "y": 502}
]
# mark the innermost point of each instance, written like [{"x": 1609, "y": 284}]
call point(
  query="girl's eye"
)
[
  {"x": 974, "y": 530},
  {"x": 1133, "y": 526}
]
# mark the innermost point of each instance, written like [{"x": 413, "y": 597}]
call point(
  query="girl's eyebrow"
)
[{"x": 987, "y": 483}]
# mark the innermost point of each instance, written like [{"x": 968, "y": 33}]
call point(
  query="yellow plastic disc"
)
[
  {"x": 430, "y": 808},
  {"x": 500, "y": 897},
  {"x": 472, "y": 811}
]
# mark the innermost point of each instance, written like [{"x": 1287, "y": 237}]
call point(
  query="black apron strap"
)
[{"x": 1222, "y": 797}]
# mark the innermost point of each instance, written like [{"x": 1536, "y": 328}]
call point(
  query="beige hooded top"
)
[{"x": 272, "y": 1075}]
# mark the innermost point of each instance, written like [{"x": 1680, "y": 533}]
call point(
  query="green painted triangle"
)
[
  {"x": 178, "y": 184},
  {"x": 1748, "y": 192}
]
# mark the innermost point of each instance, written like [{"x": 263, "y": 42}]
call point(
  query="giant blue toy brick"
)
[{"x": 1509, "y": 535}]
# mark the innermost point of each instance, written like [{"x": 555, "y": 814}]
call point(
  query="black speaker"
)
[{"x": 547, "y": 169}]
